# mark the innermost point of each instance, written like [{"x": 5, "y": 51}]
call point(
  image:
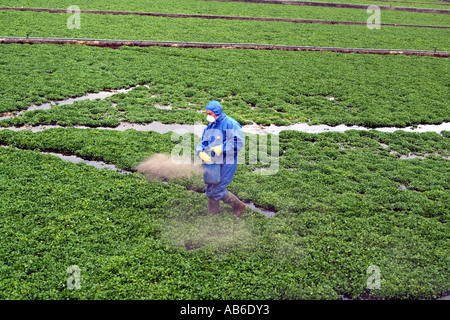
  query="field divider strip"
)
[
  {"x": 202, "y": 16},
  {"x": 115, "y": 44},
  {"x": 339, "y": 5}
]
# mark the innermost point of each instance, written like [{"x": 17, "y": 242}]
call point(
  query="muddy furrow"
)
[
  {"x": 201, "y": 16},
  {"x": 340, "y": 5},
  {"x": 115, "y": 44}
]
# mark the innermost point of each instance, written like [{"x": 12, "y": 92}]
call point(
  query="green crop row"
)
[
  {"x": 125, "y": 149},
  {"x": 253, "y": 86},
  {"x": 43, "y": 24},
  {"x": 89, "y": 113},
  {"x": 437, "y": 4},
  {"x": 242, "y": 9},
  {"x": 344, "y": 202},
  {"x": 363, "y": 165},
  {"x": 139, "y": 106},
  {"x": 340, "y": 211},
  {"x": 354, "y": 173},
  {"x": 354, "y": 167}
]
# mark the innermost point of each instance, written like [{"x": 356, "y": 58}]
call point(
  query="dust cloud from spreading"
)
[{"x": 162, "y": 166}]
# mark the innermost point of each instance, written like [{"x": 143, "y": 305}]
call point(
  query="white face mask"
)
[{"x": 210, "y": 118}]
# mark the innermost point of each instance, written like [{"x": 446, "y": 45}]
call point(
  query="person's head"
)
[{"x": 213, "y": 110}]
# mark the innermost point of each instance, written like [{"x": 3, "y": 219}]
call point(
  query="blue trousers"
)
[{"x": 218, "y": 191}]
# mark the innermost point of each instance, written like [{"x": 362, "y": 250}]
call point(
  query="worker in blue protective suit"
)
[{"x": 223, "y": 138}]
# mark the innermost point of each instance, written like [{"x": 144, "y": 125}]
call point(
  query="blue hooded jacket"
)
[{"x": 227, "y": 132}]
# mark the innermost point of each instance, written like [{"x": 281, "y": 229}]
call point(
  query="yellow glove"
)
[
  {"x": 217, "y": 150},
  {"x": 205, "y": 158}
]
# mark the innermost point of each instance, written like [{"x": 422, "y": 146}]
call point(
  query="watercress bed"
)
[
  {"x": 254, "y": 86},
  {"x": 340, "y": 210},
  {"x": 249, "y": 9},
  {"x": 120, "y": 27},
  {"x": 345, "y": 207}
]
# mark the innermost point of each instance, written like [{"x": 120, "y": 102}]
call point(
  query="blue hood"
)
[{"x": 215, "y": 107}]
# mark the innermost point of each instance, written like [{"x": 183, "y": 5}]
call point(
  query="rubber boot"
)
[
  {"x": 233, "y": 201},
  {"x": 213, "y": 206}
]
